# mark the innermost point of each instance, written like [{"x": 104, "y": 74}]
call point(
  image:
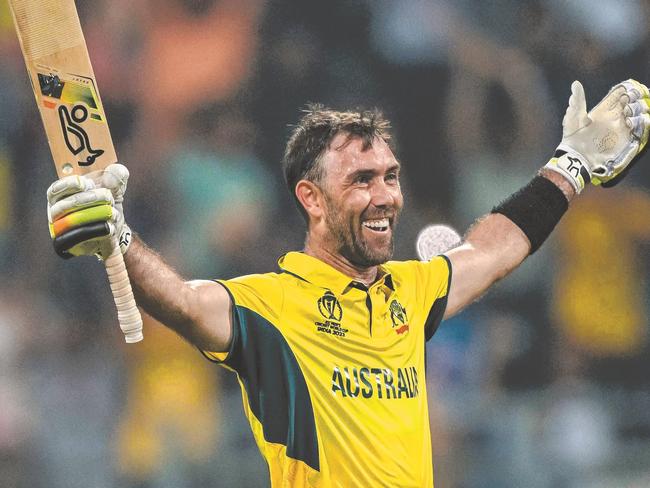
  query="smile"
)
[{"x": 379, "y": 225}]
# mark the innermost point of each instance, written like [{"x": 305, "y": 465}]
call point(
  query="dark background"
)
[{"x": 542, "y": 383}]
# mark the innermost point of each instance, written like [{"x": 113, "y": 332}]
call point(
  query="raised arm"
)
[
  {"x": 85, "y": 211},
  {"x": 198, "y": 310},
  {"x": 493, "y": 247},
  {"x": 598, "y": 146}
]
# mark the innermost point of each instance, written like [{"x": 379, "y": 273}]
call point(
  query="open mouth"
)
[{"x": 377, "y": 225}]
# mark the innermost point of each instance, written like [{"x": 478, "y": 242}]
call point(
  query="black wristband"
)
[{"x": 535, "y": 209}]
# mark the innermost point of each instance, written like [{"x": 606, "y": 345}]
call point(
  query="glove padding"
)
[
  {"x": 85, "y": 213},
  {"x": 602, "y": 145}
]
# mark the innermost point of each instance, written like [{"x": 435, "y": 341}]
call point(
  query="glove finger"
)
[
  {"x": 63, "y": 243},
  {"x": 115, "y": 178},
  {"x": 576, "y": 113},
  {"x": 99, "y": 213},
  {"x": 618, "y": 178},
  {"x": 639, "y": 126},
  {"x": 636, "y": 108},
  {"x": 641, "y": 88},
  {"x": 79, "y": 201},
  {"x": 68, "y": 185},
  {"x": 117, "y": 218},
  {"x": 634, "y": 90}
]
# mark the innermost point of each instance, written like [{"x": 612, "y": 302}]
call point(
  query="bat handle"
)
[{"x": 127, "y": 311}]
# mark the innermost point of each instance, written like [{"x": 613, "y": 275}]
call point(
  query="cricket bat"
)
[{"x": 66, "y": 93}]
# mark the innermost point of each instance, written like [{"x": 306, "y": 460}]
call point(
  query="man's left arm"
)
[
  {"x": 493, "y": 247},
  {"x": 599, "y": 146}
]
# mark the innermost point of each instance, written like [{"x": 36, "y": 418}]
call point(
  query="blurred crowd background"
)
[{"x": 543, "y": 383}]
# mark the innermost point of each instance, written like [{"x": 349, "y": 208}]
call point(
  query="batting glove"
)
[
  {"x": 602, "y": 145},
  {"x": 85, "y": 213}
]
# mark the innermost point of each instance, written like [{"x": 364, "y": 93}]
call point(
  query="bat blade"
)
[
  {"x": 68, "y": 100},
  {"x": 64, "y": 85}
]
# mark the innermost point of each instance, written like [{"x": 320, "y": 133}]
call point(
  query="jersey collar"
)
[{"x": 315, "y": 271}]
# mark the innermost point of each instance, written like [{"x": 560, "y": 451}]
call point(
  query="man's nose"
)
[{"x": 382, "y": 195}]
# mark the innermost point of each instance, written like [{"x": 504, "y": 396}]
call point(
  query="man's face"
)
[{"x": 363, "y": 199}]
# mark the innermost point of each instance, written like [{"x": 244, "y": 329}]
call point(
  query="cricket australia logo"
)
[
  {"x": 398, "y": 317},
  {"x": 330, "y": 308}
]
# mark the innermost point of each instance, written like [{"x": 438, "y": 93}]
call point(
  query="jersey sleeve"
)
[
  {"x": 255, "y": 299},
  {"x": 436, "y": 275}
]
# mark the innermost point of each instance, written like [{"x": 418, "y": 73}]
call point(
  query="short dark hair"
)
[{"x": 314, "y": 133}]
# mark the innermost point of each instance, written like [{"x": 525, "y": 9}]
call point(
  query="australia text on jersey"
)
[{"x": 383, "y": 383}]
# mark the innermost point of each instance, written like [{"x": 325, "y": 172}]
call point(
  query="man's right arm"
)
[
  {"x": 85, "y": 212},
  {"x": 199, "y": 310}
]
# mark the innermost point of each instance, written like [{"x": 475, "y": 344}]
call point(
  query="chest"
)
[
  {"x": 362, "y": 349},
  {"x": 377, "y": 326}
]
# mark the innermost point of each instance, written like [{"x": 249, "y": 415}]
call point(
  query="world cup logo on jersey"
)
[
  {"x": 398, "y": 317},
  {"x": 330, "y": 308}
]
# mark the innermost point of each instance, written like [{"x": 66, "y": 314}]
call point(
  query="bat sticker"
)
[
  {"x": 51, "y": 85},
  {"x": 76, "y": 138},
  {"x": 78, "y": 89}
]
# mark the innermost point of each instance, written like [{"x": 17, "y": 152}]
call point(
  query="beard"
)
[{"x": 347, "y": 235}]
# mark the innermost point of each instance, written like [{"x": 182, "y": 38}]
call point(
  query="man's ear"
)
[{"x": 310, "y": 197}]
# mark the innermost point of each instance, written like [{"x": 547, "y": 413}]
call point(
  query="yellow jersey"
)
[{"x": 332, "y": 372}]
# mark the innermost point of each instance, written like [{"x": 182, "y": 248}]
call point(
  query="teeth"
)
[{"x": 376, "y": 224}]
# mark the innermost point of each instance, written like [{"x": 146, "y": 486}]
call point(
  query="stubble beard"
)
[{"x": 351, "y": 244}]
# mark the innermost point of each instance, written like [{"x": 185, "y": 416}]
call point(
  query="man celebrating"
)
[{"x": 329, "y": 351}]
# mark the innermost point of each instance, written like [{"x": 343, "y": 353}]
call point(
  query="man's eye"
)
[
  {"x": 363, "y": 179},
  {"x": 392, "y": 177}
]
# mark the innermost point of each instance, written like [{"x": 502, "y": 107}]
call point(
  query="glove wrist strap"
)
[
  {"x": 125, "y": 238},
  {"x": 572, "y": 166}
]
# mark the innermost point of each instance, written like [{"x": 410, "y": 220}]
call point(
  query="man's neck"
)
[{"x": 367, "y": 276}]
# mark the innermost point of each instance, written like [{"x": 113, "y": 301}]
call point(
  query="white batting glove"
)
[
  {"x": 85, "y": 213},
  {"x": 600, "y": 146}
]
